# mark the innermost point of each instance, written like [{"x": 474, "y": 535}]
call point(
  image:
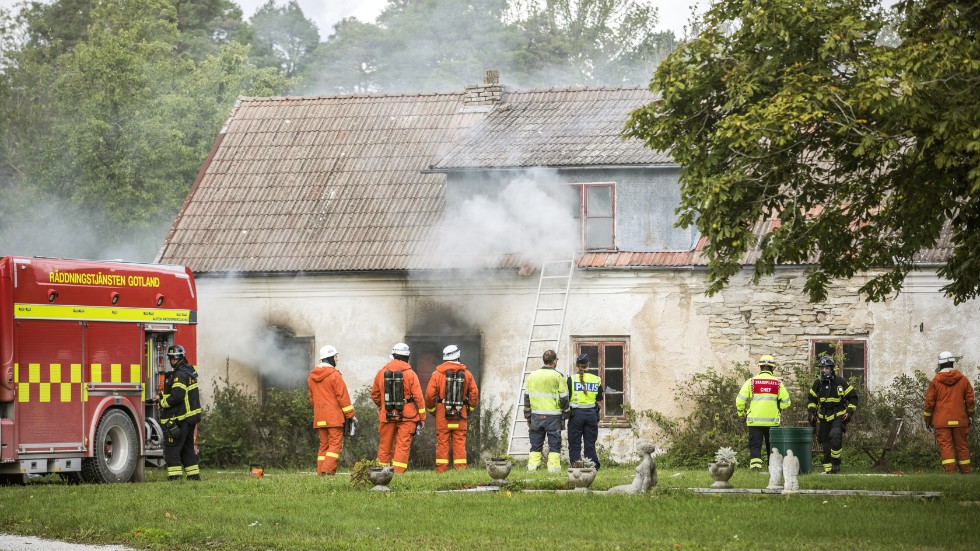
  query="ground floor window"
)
[
  {"x": 850, "y": 356},
  {"x": 608, "y": 359}
]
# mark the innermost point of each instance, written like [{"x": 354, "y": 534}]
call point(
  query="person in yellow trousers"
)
[
  {"x": 450, "y": 396},
  {"x": 331, "y": 407},
  {"x": 767, "y": 397},
  {"x": 545, "y": 409}
]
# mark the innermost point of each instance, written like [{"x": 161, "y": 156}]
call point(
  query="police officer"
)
[
  {"x": 180, "y": 412},
  {"x": 585, "y": 392},
  {"x": 545, "y": 408},
  {"x": 833, "y": 402},
  {"x": 767, "y": 397}
]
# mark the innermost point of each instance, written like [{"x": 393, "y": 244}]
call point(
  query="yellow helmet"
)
[{"x": 767, "y": 362}]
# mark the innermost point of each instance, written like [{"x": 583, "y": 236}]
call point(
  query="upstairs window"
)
[
  {"x": 596, "y": 216},
  {"x": 850, "y": 356}
]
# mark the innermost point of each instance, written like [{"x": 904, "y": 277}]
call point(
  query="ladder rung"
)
[
  {"x": 549, "y": 309},
  {"x": 554, "y": 292},
  {"x": 555, "y": 277},
  {"x": 546, "y": 324}
]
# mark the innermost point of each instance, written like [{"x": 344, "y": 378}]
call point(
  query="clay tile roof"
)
[
  {"x": 319, "y": 184},
  {"x": 556, "y": 128}
]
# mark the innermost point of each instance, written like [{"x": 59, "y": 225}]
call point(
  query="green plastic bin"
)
[{"x": 798, "y": 439}]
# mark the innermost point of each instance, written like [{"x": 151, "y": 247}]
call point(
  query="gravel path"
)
[{"x": 30, "y": 543}]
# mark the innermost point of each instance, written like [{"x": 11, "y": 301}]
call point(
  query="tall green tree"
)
[
  {"x": 283, "y": 37},
  {"x": 585, "y": 42},
  {"x": 418, "y": 45},
  {"x": 798, "y": 111},
  {"x": 120, "y": 128}
]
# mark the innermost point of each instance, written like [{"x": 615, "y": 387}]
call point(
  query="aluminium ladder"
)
[{"x": 546, "y": 329}]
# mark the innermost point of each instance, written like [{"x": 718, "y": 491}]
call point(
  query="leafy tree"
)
[
  {"x": 113, "y": 132},
  {"x": 860, "y": 152},
  {"x": 284, "y": 37},
  {"x": 418, "y": 45},
  {"x": 348, "y": 61},
  {"x": 591, "y": 42}
]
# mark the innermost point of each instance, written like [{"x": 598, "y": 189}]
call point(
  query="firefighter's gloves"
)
[
  {"x": 848, "y": 416},
  {"x": 928, "y": 425},
  {"x": 969, "y": 421},
  {"x": 740, "y": 414},
  {"x": 813, "y": 419}
]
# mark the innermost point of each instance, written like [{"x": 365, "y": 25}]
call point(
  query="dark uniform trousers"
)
[{"x": 583, "y": 424}]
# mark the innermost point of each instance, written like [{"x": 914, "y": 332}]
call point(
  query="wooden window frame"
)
[
  {"x": 837, "y": 343},
  {"x": 598, "y": 365},
  {"x": 583, "y": 214}
]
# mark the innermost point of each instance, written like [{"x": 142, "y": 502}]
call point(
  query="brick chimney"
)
[{"x": 487, "y": 94}]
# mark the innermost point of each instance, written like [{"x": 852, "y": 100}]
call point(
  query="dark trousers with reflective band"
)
[
  {"x": 545, "y": 425},
  {"x": 758, "y": 435},
  {"x": 583, "y": 425},
  {"x": 831, "y": 437},
  {"x": 179, "y": 453}
]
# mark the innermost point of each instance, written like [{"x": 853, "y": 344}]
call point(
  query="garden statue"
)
[
  {"x": 646, "y": 472},
  {"x": 791, "y": 473},
  {"x": 775, "y": 471}
]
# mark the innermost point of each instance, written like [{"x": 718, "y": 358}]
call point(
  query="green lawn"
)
[{"x": 297, "y": 510}]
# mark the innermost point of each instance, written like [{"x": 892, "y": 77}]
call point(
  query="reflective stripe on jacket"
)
[
  {"x": 435, "y": 393},
  {"x": 414, "y": 398},
  {"x": 181, "y": 400},
  {"x": 584, "y": 390},
  {"x": 767, "y": 397},
  {"x": 832, "y": 399},
  {"x": 950, "y": 401},
  {"x": 329, "y": 397},
  {"x": 547, "y": 393}
]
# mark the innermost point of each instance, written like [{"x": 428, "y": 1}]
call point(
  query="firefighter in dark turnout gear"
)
[
  {"x": 833, "y": 402},
  {"x": 585, "y": 399},
  {"x": 180, "y": 412}
]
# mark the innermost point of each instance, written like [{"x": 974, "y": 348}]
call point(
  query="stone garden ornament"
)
[
  {"x": 581, "y": 475},
  {"x": 498, "y": 468},
  {"x": 646, "y": 472},
  {"x": 775, "y": 471},
  {"x": 723, "y": 468},
  {"x": 791, "y": 473}
]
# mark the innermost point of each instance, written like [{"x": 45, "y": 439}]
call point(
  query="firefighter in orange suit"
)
[
  {"x": 949, "y": 410},
  {"x": 450, "y": 396},
  {"x": 398, "y": 394},
  {"x": 331, "y": 408}
]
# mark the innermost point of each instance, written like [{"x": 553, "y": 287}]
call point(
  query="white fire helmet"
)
[
  {"x": 327, "y": 351},
  {"x": 400, "y": 349},
  {"x": 450, "y": 353},
  {"x": 946, "y": 358}
]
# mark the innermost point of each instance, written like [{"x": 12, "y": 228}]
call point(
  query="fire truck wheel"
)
[
  {"x": 115, "y": 452},
  {"x": 11, "y": 480}
]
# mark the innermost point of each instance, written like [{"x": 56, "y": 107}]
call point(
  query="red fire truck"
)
[{"x": 82, "y": 351}]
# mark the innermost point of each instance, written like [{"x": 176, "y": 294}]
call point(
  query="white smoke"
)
[{"x": 531, "y": 215}]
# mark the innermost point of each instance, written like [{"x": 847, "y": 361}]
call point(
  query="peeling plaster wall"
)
[{"x": 673, "y": 330}]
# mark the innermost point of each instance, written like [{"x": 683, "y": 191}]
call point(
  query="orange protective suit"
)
[
  {"x": 395, "y": 436},
  {"x": 950, "y": 406},
  {"x": 331, "y": 405},
  {"x": 450, "y": 431}
]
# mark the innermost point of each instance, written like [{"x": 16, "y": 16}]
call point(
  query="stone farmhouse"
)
[{"x": 366, "y": 220}]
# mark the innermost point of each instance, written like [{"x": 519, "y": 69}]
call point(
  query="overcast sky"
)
[{"x": 673, "y": 13}]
